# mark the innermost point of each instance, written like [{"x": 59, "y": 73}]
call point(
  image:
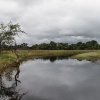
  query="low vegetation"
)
[
  {"x": 92, "y": 56},
  {"x": 8, "y": 58}
]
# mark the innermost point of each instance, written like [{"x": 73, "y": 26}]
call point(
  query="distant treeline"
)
[{"x": 90, "y": 45}]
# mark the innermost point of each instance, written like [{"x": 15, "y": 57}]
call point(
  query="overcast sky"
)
[{"x": 53, "y": 20}]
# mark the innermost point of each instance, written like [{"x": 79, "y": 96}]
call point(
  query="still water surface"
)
[{"x": 66, "y": 79}]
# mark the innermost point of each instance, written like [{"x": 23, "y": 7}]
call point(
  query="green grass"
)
[
  {"x": 7, "y": 58},
  {"x": 88, "y": 56}
]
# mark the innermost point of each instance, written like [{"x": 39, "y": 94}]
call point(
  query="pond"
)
[{"x": 52, "y": 79}]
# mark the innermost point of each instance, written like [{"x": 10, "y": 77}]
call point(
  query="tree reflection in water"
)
[{"x": 10, "y": 92}]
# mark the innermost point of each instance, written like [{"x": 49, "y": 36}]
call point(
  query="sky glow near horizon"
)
[{"x": 68, "y": 21}]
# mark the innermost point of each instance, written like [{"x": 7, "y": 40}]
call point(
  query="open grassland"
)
[{"x": 8, "y": 58}]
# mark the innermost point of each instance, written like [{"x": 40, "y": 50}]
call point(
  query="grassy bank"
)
[
  {"x": 7, "y": 58},
  {"x": 92, "y": 56}
]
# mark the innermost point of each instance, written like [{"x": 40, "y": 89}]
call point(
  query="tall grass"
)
[{"x": 48, "y": 53}]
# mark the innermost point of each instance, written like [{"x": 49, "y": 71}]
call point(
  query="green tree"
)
[
  {"x": 52, "y": 45},
  {"x": 8, "y": 33},
  {"x": 24, "y": 46},
  {"x": 92, "y": 45},
  {"x": 35, "y": 47},
  {"x": 43, "y": 46},
  {"x": 80, "y": 46}
]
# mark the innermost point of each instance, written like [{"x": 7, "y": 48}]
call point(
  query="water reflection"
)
[
  {"x": 51, "y": 79},
  {"x": 54, "y": 58},
  {"x": 67, "y": 79},
  {"x": 8, "y": 85}
]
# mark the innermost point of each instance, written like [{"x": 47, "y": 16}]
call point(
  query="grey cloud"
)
[
  {"x": 57, "y": 20},
  {"x": 27, "y": 2}
]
